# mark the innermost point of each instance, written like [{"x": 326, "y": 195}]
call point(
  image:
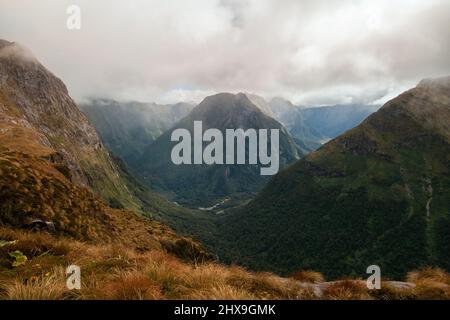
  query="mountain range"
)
[
  {"x": 313, "y": 126},
  {"x": 129, "y": 130},
  {"x": 203, "y": 185},
  {"x": 377, "y": 194}
]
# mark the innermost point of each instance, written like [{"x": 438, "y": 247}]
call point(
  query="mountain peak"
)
[
  {"x": 225, "y": 104},
  {"x": 206, "y": 185},
  {"x": 13, "y": 50},
  {"x": 428, "y": 103},
  {"x": 435, "y": 82},
  {"x": 4, "y": 43}
]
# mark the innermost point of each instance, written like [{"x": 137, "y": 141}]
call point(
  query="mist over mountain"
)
[
  {"x": 332, "y": 121},
  {"x": 313, "y": 126},
  {"x": 224, "y": 150},
  {"x": 128, "y": 128},
  {"x": 291, "y": 116},
  {"x": 377, "y": 194},
  {"x": 337, "y": 210}
]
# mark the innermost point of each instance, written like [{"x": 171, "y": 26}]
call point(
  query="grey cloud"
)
[{"x": 311, "y": 52}]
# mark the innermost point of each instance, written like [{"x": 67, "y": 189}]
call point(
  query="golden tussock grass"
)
[
  {"x": 113, "y": 271},
  {"x": 431, "y": 284},
  {"x": 50, "y": 286},
  {"x": 116, "y": 271},
  {"x": 346, "y": 290},
  {"x": 308, "y": 276}
]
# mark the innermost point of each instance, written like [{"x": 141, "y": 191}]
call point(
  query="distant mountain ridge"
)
[
  {"x": 333, "y": 121},
  {"x": 313, "y": 126}
]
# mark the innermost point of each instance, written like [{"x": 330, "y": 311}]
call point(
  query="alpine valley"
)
[{"x": 94, "y": 186}]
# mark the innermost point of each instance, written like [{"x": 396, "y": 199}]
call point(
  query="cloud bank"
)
[{"x": 312, "y": 52}]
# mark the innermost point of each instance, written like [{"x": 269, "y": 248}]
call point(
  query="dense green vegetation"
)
[
  {"x": 376, "y": 195},
  {"x": 151, "y": 204}
]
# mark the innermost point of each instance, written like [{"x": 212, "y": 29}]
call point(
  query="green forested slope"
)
[{"x": 379, "y": 194}]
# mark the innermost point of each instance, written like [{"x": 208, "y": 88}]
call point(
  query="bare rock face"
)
[{"x": 32, "y": 97}]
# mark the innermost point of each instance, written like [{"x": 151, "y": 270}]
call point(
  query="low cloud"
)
[{"x": 312, "y": 52}]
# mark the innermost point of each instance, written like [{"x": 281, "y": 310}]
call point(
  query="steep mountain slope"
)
[
  {"x": 51, "y": 160},
  {"x": 203, "y": 185},
  {"x": 33, "y": 98},
  {"x": 379, "y": 194},
  {"x": 128, "y": 128},
  {"x": 36, "y": 112}
]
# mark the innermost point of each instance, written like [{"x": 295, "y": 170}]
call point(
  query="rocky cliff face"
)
[{"x": 32, "y": 98}]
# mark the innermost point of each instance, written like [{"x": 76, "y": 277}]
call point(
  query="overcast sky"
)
[{"x": 312, "y": 52}]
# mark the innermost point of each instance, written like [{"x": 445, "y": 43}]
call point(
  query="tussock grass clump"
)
[
  {"x": 430, "y": 274},
  {"x": 34, "y": 244},
  {"x": 50, "y": 286},
  {"x": 308, "y": 276},
  {"x": 132, "y": 285},
  {"x": 431, "y": 283},
  {"x": 346, "y": 290}
]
